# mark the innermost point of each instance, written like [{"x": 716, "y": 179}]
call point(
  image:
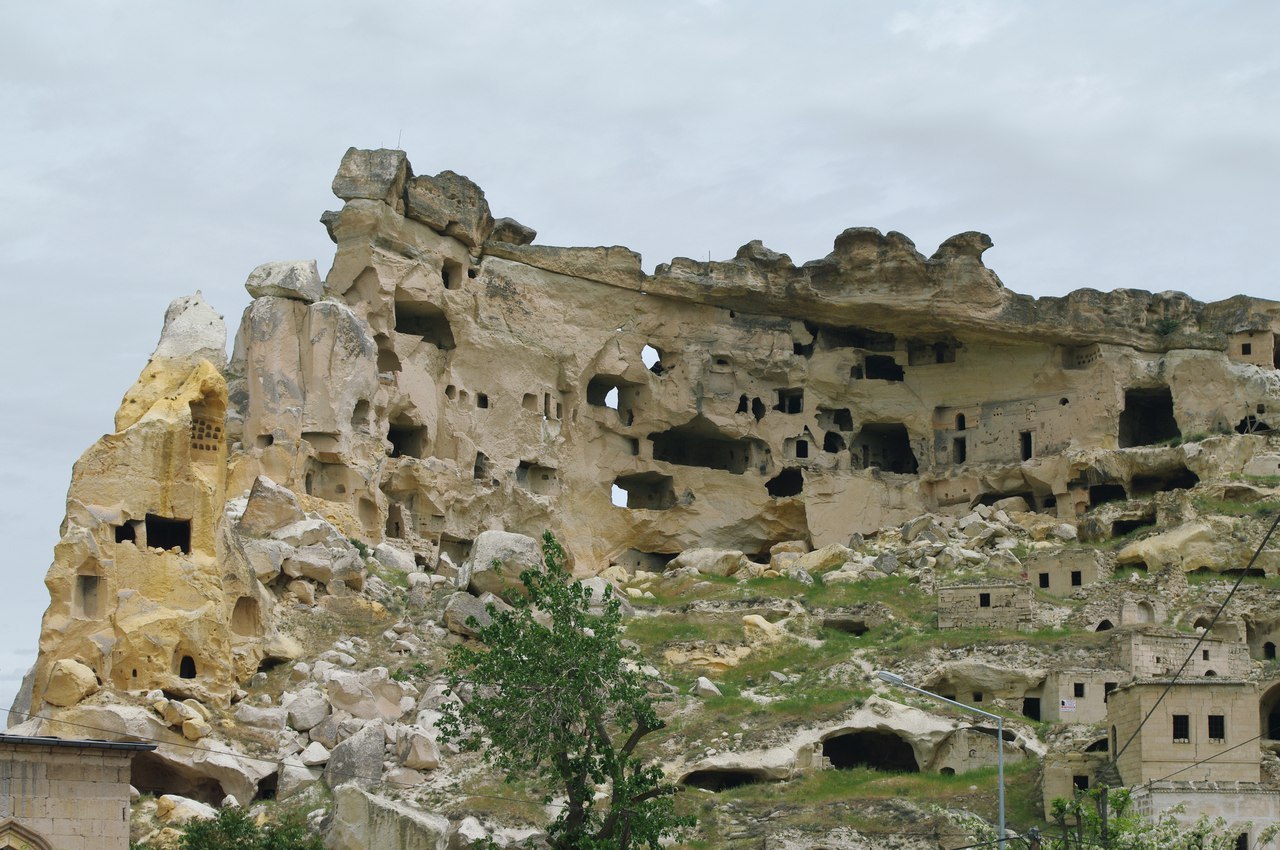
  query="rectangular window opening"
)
[
  {"x": 165, "y": 533},
  {"x": 1182, "y": 728},
  {"x": 1044, "y": 580},
  {"x": 1077, "y": 578},
  {"x": 984, "y": 600},
  {"x": 1027, "y": 447},
  {"x": 1217, "y": 728}
]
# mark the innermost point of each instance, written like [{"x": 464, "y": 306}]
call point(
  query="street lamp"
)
[{"x": 895, "y": 679}]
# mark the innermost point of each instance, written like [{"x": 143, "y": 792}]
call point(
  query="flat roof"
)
[{"x": 78, "y": 743}]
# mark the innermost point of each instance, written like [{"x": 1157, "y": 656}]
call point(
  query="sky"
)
[{"x": 151, "y": 149}]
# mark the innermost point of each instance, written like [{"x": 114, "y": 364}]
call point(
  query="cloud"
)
[{"x": 938, "y": 25}]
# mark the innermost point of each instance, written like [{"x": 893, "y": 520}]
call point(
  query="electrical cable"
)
[{"x": 1190, "y": 655}]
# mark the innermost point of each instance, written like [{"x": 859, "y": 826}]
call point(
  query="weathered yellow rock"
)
[{"x": 69, "y": 682}]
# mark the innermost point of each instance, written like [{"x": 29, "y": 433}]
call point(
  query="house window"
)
[
  {"x": 1204, "y": 654},
  {"x": 1081, "y": 783},
  {"x": 1024, "y": 437},
  {"x": 1217, "y": 728},
  {"x": 1269, "y": 650},
  {"x": 1246, "y": 348},
  {"x": 1182, "y": 728},
  {"x": 984, "y": 600},
  {"x": 1107, "y": 688},
  {"x": 1077, "y": 578},
  {"x": 977, "y": 696},
  {"x": 1044, "y": 580},
  {"x": 1078, "y": 689}
]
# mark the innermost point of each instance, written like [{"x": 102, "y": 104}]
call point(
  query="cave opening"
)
[
  {"x": 647, "y": 491},
  {"x": 720, "y": 779},
  {"x": 886, "y": 445},
  {"x": 881, "y": 367},
  {"x": 788, "y": 482},
  {"x": 1147, "y": 417},
  {"x": 700, "y": 443},
  {"x": 1176, "y": 479},
  {"x": 424, "y": 320},
  {"x": 151, "y": 774},
  {"x": 166, "y": 533},
  {"x": 878, "y": 750}
]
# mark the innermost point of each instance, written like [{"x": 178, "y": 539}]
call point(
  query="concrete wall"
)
[{"x": 74, "y": 798}]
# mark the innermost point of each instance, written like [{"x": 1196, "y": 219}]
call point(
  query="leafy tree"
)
[
  {"x": 1079, "y": 824},
  {"x": 553, "y": 696},
  {"x": 235, "y": 829}
]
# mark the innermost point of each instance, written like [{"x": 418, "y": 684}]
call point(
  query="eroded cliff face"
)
[{"x": 449, "y": 378}]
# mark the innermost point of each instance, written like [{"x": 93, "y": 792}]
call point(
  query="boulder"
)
[
  {"x": 704, "y": 687},
  {"x": 69, "y": 682},
  {"x": 394, "y": 558},
  {"x": 451, "y": 204},
  {"x": 307, "y": 709},
  {"x": 416, "y": 750},
  {"x": 358, "y": 760},
  {"x": 362, "y": 820},
  {"x": 822, "y": 560},
  {"x": 294, "y": 777},
  {"x": 376, "y": 175},
  {"x": 462, "y": 607},
  {"x": 299, "y": 280},
  {"x": 713, "y": 562},
  {"x": 270, "y": 507},
  {"x": 497, "y": 559},
  {"x": 512, "y": 232},
  {"x": 174, "y": 809}
]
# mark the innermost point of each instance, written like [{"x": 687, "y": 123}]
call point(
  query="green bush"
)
[{"x": 234, "y": 829}]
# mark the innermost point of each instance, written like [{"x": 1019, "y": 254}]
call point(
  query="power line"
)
[{"x": 1168, "y": 687}]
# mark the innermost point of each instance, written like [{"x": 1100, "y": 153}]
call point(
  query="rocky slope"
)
[{"x": 794, "y": 475}]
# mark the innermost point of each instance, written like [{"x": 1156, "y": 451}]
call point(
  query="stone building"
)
[
  {"x": 1079, "y": 696},
  {"x": 59, "y": 794},
  {"x": 1063, "y": 573},
  {"x": 994, "y": 605},
  {"x": 1156, "y": 653}
]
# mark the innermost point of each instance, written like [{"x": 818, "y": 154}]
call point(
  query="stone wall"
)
[
  {"x": 1247, "y": 808},
  {"x": 1150, "y": 654},
  {"x": 1063, "y": 573},
  {"x": 73, "y": 795},
  {"x": 1156, "y": 753},
  {"x": 1079, "y": 696},
  {"x": 993, "y": 606}
]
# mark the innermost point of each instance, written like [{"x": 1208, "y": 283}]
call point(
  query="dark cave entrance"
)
[
  {"x": 1147, "y": 417},
  {"x": 878, "y": 750}
]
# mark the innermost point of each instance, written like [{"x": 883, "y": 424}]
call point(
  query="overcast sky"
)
[{"x": 150, "y": 149}]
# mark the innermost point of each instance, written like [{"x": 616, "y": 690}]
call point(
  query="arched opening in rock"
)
[
  {"x": 788, "y": 482},
  {"x": 423, "y": 319},
  {"x": 246, "y": 617},
  {"x": 1031, "y": 708},
  {"x": 1145, "y": 613},
  {"x": 536, "y": 478},
  {"x": 267, "y": 787},
  {"x": 1269, "y": 711},
  {"x": 699, "y": 443},
  {"x": 1147, "y": 417},
  {"x": 832, "y": 443},
  {"x": 360, "y": 415},
  {"x": 948, "y": 771},
  {"x": 720, "y": 779},
  {"x": 1269, "y": 651},
  {"x": 85, "y": 598},
  {"x": 757, "y": 409},
  {"x": 1105, "y": 625},
  {"x": 1204, "y": 621},
  {"x": 1098, "y": 746},
  {"x": 151, "y": 774},
  {"x": 649, "y": 491},
  {"x": 850, "y": 625},
  {"x": 388, "y": 360},
  {"x": 1174, "y": 479},
  {"x": 960, "y": 422},
  {"x": 186, "y": 667},
  {"x": 879, "y": 750},
  {"x": 886, "y": 445}
]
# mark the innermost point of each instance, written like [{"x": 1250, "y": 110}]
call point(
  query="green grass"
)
[{"x": 1236, "y": 507}]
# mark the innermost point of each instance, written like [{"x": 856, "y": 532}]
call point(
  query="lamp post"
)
[{"x": 894, "y": 679}]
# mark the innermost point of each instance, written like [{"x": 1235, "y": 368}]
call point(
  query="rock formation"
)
[{"x": 381, "y": 436}]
